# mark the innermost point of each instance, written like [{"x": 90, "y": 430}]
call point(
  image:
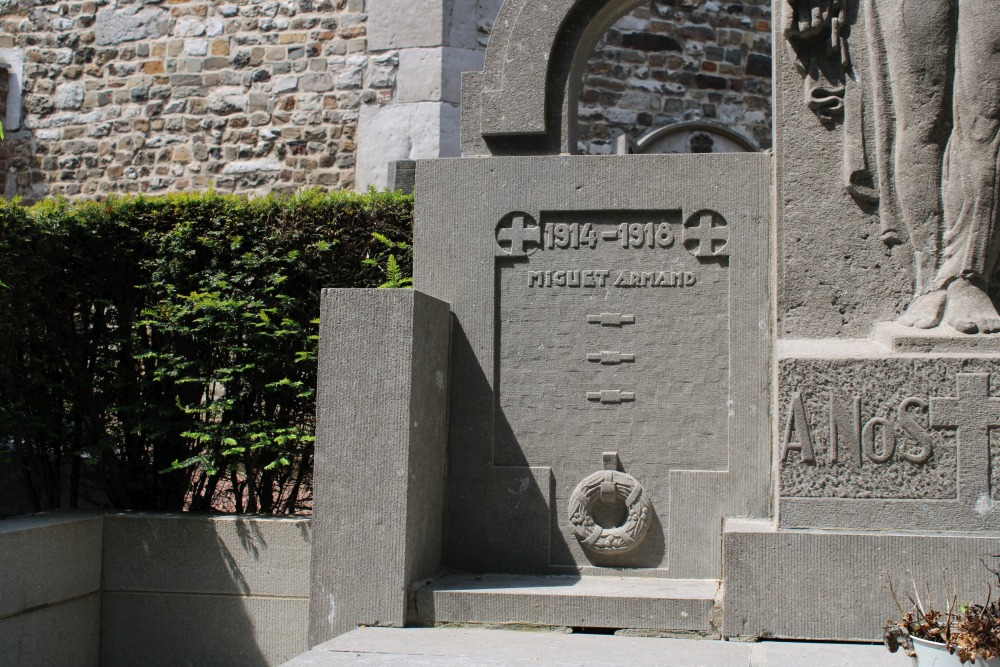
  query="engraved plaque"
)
[
  {"x": 889, "y": 443},
  {"x": 601, "y": 304},
  {"x": 667, "y": 409}
]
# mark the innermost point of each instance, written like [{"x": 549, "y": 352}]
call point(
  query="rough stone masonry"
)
[{"x": 255, "y": 96}]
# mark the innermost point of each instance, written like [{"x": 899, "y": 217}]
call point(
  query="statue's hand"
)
[{"x": 806, "y": 19}]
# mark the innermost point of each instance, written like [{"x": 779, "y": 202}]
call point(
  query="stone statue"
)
[{"x": 921, "y": 135}]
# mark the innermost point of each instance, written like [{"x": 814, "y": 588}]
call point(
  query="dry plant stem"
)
[
  {"x": 916, "y": 592},
  {"x": 947, "y": 625},
  {"x": 895, "y": 598}
]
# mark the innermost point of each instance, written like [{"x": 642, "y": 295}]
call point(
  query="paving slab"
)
[
  {"x": 486, "y": 648},
  {"x": 816, "y": 654}
]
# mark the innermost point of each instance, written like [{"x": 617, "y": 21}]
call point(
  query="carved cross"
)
[
  {"x": 519, "y": 235},
  {"x": 973, "y": 413},
  {"x": 703, "y": 239}
]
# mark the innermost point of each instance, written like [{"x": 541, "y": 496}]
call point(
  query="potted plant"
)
[{"x": 958, "y": 635}]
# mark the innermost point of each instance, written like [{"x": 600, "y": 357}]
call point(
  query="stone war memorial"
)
[{"x": 728, "y": 396}]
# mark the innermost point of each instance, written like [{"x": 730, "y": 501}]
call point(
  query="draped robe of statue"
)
[{"x": 920, "y": 112}]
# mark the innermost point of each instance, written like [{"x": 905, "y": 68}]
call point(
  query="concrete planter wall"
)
[{"x": 127, "y": 589}]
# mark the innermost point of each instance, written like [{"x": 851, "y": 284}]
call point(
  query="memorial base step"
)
[
  {"x": 613, "y": 603},
  {"x": 835, "y": 584}
]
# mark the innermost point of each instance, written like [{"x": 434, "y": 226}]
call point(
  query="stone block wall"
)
[
  {"x": 88, "y": 589},
  {"x": 50, "y": 590},
  {"x": 258, "y": 96},
  {"x": 680, "y": 60},
  {"x": 245, "y": 95}
]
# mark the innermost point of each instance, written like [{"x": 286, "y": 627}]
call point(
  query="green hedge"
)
[{"x": 160, "y": 352}]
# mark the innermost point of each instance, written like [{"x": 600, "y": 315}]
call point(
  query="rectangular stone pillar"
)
[{"x": 380, "y": 455}]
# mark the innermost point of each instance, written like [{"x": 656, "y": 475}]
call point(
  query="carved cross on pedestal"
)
[
  {"x": 973, "y": 413},
  {"x": 706, "y": 234},
  {"x": 519, "y": 235}
]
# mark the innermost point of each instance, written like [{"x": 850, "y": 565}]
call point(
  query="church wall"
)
[{"x": 258, "y": 96}]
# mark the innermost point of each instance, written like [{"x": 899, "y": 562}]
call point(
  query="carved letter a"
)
[{"x": 797, "y": 424}]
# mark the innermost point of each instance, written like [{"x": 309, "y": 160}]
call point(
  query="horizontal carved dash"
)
[
  {"x": 611, "y": 397},
  {"x": 611, "y": 319},
  {"x": 610, "y": 358}
]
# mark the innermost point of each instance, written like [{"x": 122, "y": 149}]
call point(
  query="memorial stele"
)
[{"x": 716, "y": 395}]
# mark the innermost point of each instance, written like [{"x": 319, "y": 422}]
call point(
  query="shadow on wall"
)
[
  {"x": 19, "y": 175},
  {"x": 13, "y": 491},
  {"x": 17, "y": 161},
  {"x": 189, "y": 590}
]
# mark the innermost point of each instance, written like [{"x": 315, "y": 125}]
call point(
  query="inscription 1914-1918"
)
[{"x": 705, "y": 234}]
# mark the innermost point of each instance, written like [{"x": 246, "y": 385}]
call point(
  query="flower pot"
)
[{"x": 932, "y": 654}]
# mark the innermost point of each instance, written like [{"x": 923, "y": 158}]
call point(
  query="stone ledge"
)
[
  {"x": 590, "y": 602},
  {"x": 834, "y": 585}
]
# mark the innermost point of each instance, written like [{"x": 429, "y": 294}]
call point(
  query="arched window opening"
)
[{"x": 680, "y": 76}]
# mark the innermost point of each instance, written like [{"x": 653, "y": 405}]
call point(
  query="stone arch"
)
[{"x": 524, "y": 100}]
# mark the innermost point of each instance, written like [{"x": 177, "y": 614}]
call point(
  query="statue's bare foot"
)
[
  {"x": 926, "y": 311},
  {"x": 970, "y": 309}
]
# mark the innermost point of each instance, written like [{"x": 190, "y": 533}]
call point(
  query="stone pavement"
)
[{"x": 495, "y": 648}]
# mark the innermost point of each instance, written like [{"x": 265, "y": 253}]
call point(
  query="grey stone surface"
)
[
  {"x": 884, "y": 144},
  {"x": 834, "y": 585},
  {"x": 489, "y": 648},
  {"x": 50, "y": 589},
  {"x": 587, "y": 602},
  {"x": 883, "y": 419},
  {"x": 224, "y": 555},
  {"x": 68, "y": 633},
  {"x": 224, "y": 590},
  {"x": 201, "y": 629},
  {"x": 46, "y": 559},
  {"x": 87, "y": 589},
  {"x": 797, "y": 654},
  {"x": 411, "y": 131},
  {"x": 69, "y": 95},
  {"x": 395, "y": 24},
  {"x": 903, "y": 339},
  {"x": 13, "y": 59},
  {"x": 889, "y": 439},
  {"x": 434, "y": 74},
  {"x": 401, "y": 175},
  {"x": 657, "y": 351},
  {"x": 380, "y": 455},
  {"x": 130, "y": 24},
  {"x": 436, "y": 40},
  {"x": 531, "y": 77},
  {"x": 472, "y": 141}
]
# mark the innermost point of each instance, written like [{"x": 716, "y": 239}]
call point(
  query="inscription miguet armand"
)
[{"x": 609, "y": 278}]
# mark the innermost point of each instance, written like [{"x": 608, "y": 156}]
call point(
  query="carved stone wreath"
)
[{"x": 606, "y": 485}]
